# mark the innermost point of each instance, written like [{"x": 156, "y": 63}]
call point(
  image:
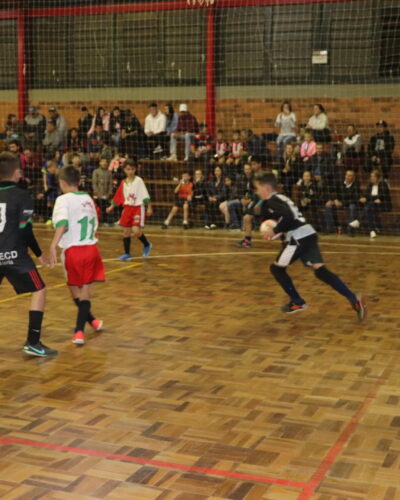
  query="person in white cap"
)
[{"x": 187, "y": 128}]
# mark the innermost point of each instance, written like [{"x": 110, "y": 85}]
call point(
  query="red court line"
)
[
  {"x": 157, "y": 463},
  {"x": 319, "y": 475}
]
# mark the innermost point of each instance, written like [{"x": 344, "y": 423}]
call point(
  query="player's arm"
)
[
  {"x": 25, "y": 226},
  {"x": 118, "y": 198},
  {"x": 60, "y": 230},
  {"x": 149, "y": 207}
]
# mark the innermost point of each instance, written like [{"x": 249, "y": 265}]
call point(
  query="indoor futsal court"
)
[{"x": 199, "y": 249}]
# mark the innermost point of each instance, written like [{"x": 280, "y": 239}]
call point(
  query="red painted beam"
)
[
  {"x": 210, "y": 72},
  {"x": 8, "y": 14},
  {"x": 22, "y": 87}
]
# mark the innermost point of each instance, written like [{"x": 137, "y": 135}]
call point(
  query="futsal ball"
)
[{"x": 270, "y": 223}]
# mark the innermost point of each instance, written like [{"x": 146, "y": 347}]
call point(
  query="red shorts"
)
[
  {"x": 133, "y": 216},
  {"x": 83, "y": 265}
]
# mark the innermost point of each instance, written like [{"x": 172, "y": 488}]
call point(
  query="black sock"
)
[
  {"x": 127, "y": 244},
  {"x": 282, "y": 277},
  {"x": 35, "y": 326},
  {"x": 83, "y": 312},
  {"x": 336, "y": 283},
  {"x": 144, "y": 240},
  {"x": 90, "y": 315},
  {"x": 248, "y": 238}
]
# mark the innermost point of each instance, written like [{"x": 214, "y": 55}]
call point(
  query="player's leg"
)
[
  {"x": 83, "y": 295},
  {"x": 248, "y": 230},
  {"x": 127, "y": 232},
  {"x": 224, "y": 209},
  {"x": 288, "y": 255},
  {"x": 30, "y": 281},
  {"x": 95, "y": 323},
  {"x": 138, "y": 225}
]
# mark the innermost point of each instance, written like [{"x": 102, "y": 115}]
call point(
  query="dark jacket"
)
[
  {"x": 84, "y": 125},
  {"x": 218, "y": 191},
  {"x": 382, "y": 146},
  {"x": 349, "y": 195},
  {"x": 244, "y": 186},
  {"x": 322, "y": 165},
  {"x": 199, "y": 191},
  {"x": 383, "y": 195},
  {"x": 308, "y": 192}
]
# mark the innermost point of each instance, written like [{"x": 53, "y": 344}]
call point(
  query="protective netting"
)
[{"x": 306, "y": 89}]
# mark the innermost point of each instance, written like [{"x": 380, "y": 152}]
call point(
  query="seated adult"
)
[
  {"x": 375, "y": 199},
  {"x": 97, "y": 141},
  {"x": 186, "y": 129},
  {"x": 380, "y": 150},
  {"x": 60, "y": 123},
  {"x": 84, "y": 124},
  {"x": 346, "y": 196},
  {"x": 133, "y": 140},
  {"x": 252, "y": 144},
  {"x": 155, "y": 128},
  {"x": 286, "y": 123},
  {"x": 13, "y": 129},
  {"x": 34, "y": 129},
  {"x": 53, "y": 141},
  {"x": 352, "y": 149},
  {"x": 322, "y": 166},
  {"x": 318, "y": 124},
  {"x": 115, "y": 127},
  {"x": 309, "y": 197},
  {"x": 290, "y": 169},
  {"x": 215, "y": 194},
  {"x": 172, "y": 123},
  {"x": 244, "y": 191}
]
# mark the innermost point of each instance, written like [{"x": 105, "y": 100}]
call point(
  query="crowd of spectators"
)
[{"x": 314, "y": 166}]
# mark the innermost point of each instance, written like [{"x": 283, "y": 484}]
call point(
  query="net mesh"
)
[{"x": 232, "y": 64}]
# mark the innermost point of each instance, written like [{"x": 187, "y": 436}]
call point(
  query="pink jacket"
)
[{"x": 308, "y": 149}]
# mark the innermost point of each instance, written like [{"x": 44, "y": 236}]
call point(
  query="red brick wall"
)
[{"x": 259, "y": 114}]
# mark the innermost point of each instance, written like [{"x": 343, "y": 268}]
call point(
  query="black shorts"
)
[
  {"x": 179, "y": 202},
  {"x": 306, "y": 249},
  {"x": 22, "y": 275}
]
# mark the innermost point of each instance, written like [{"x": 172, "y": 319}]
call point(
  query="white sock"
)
[
  {"x": 166, "y": 222},
  {"x": 185, "y": 222}
]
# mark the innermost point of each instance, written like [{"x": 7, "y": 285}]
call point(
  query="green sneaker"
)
[{"x": 39, "y": 350}]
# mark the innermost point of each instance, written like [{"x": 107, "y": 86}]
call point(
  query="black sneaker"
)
[
  {"x": 244, "y": 243},
  {"x": 361, "y": 308},
  {"x": 164, "y": 226},
  {"x": 39, "y": 350},
  {"x": 185, "y": 226},
  {"x": 292, "y": 308}
]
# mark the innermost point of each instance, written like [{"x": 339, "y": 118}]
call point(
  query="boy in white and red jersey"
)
[
  {"x": 132, "y": 194},
  {"x": 75, "y": 221}
]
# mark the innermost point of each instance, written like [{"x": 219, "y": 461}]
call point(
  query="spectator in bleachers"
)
[
  {"x": 14, "y": 148},
  {"x": 133, "y": 140},
  {"x": 100, "y": 118},
  {"x": 375, "y": 199},
  {"x": 380, "y": 150},
  {"x": 308, "y": 197},
  {"x": 34, "y": 129},
  {"x": 183, "y": 194},
  {"x": 286, "y": 123},
  {"x": 244, "y": 190},
  {"x": 215, "y": 194},
  {"x": 155, "y": 126},
  {"x": 102, "y": 185},
  {"x": 198, "y": 196},
  {"x": 352, "y": 149},
  {"x": 74, "y": 143},
  {"x": 236, "y": 152},
  {"x": 32, "y": 165},
  {"x": 252, "y": 144},
  {"x": 345, "y": 195},
  {"x": 200, "y": 150},
  {"x": 53, "y": 140},
  {"x": 318, "y": 123},
  {"x": 321, "y": 166},
  {"x": 231, "y": 208},
  {"x": 171, "y": 125},
  {"x": 221, "y": 145},
  {"x": 84, "y": 124},
  {"x": 186, "y": 129},
  {"x": 51, "y": 188},
  {"x": 14, "y": 130},
  {"x": 115, "y": 127},
  {"x": 308, "y": 149},
  {"x": 290, "y": 169},
  {"x": 60, "y": 123},
  {"x": 98, "y": 140}
]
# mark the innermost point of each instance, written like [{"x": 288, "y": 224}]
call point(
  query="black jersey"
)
[
  {"x": 16, "y": 209},
  {"x": 288, "y": 216}
]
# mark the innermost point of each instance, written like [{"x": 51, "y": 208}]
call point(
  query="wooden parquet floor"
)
[{"x": 199, "y": 389}]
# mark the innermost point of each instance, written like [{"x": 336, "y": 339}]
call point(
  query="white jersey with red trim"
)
[
  {"x": 131, "y": 193},
  {"x": 77, "y": 212}
]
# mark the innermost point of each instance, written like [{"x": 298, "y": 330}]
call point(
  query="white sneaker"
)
[
  {"x": 355, "y": 224},
  {"x": 372, "y": 234},
  {"x": 186, "y": 158},
  {"x": 158, "y": 150},
  {"x": 172, "y": 158},
  {"x": 213, "y": 226},
  {"x": 206, "y": 227}
]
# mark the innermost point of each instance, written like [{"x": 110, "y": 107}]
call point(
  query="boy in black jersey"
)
[
  {"x": 301, "y": 242},
  {"x": 16, "y": 236}
]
